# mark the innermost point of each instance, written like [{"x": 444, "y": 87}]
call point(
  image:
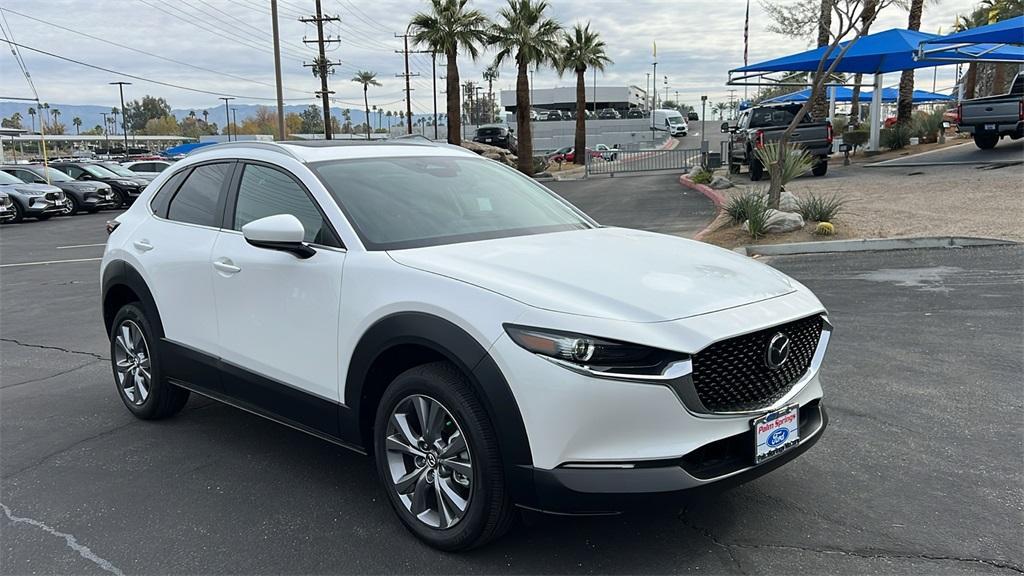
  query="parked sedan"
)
[
  {"x": 147, "y": 168},
  {"x": 604, "y": 152},
  {"x": 608, "y": 114},
  {"x": 88, "y": 196},
  {"x": 40, "y": 201},
  {"x": 635, "y": 113},
  {"x": 124, "y": 172},
  {"x": 6, "y": 208},
  {"x": 125, "y": 189}
]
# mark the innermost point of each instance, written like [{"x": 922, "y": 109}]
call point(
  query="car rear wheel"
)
[
  {"x": 820, "y": 168},
  {"x": 71, "y": 206},
  {"x": 986, "y": 141},
  {"x": 119, "y": 199},
  {"x": 756, "y": 170},
  {"x": 136, "y": 365},
  {"x": 437, "y": 456}
]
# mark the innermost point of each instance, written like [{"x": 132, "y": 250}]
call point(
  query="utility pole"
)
[
  {"x": 322, "y": 65},
  {"x": 227, "y": 117},
  {"x": 407, "y": 75},
  {"x": 277, "y": 71},
  {"x": 234, "y": 120},
  {"x": 433, "y": 69},
  {"x": 124, "y": 126},
  {"x": 666, "y": 87}
]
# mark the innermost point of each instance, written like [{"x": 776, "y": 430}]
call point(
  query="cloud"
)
[{"x": 698, "y": 42}]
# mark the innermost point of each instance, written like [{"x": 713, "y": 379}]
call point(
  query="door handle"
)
[
  {"x": 142, "y": 245},
  {"x": 224, "y": 265}
]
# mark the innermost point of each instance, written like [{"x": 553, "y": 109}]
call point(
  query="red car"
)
[{"x": 567, "y": 155}]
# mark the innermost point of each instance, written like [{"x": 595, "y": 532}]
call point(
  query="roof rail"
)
[{"x": 256, "y": 144}]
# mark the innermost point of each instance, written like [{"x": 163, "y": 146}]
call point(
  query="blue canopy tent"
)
[
  {"x": 978, "y": 43},
  {"x": 891, "y": 50},
  {"x": 183, "y": 149},
  {"x": 844, "y": 94}
]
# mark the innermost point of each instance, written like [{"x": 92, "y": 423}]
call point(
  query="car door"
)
[
  {"x": 173, "y": 251},
  {"x": 277, "y": 314}
]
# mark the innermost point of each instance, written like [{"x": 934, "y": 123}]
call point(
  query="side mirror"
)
[
  {"x": 725, "y": 127},
  {"x": 281, "y": 232}
]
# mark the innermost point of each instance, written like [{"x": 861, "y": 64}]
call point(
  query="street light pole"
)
[
  {"x": 277, "y": 72},
  {"x": 703, "y": 133},
  {"x": 227, "y": 117},
  {"x": 124, "y": 127}
]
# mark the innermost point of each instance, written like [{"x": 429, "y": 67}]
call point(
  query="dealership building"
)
[{"x": 621, "y": 98}]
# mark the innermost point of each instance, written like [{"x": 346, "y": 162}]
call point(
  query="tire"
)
[
  {"x": 488, "y": 511},
  {"x": 73, "y": 206},
  {"x": 820, "y": 168},
  {"x": 19, "y": 212},
  {"x": 986, "y": 141},
  {"x": 158, "y": 399},
  {"x": 756, "y": 170},
  {"x": 119, "y": 200}
]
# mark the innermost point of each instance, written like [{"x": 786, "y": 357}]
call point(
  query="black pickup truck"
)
[
  {"x": 989, "y": 119},
  {"x": 760, "y": 125}
]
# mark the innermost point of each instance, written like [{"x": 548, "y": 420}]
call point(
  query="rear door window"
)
[{"x": 199, "y": 200}]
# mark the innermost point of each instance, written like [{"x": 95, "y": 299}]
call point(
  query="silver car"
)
[
  {"x": 6, "y": 208},
  {"x": 40, "y": 201}
]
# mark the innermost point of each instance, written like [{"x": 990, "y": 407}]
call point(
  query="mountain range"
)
[{"x": 91, "y": 115}]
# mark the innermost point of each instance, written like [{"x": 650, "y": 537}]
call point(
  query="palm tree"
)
[
  {"x": 490, "y": 74},
  {"x": 905, "y": 104},
  {"x": 580, "y": 50},
  {"x": 32, "y": 114},
  {"x": 44, "y": 117},
  {"x": 374, "y": 108},
  {"x": 16, "y": 119},
  {"x": 206, "y": 114},
  {"x": 78, "y": 124},
  {"x": 867, "y": 16},
  {"x": 450, "y": 26},
  {"x": 56, "y": 115},
  {"x": 531, "y": 38},
  {"x": 388, "y": 116},
  {"x": 114, "y": 112},
  {"x": 367, "y": 79}
]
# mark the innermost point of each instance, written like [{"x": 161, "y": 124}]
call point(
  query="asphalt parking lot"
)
[{"x": 920, "y": 471}]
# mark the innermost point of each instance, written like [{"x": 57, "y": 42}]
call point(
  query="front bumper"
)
[
  {"x": 41, "y": 206},
  {"x": 98, "y": 200},
  {"x": 717, "y": 466}
]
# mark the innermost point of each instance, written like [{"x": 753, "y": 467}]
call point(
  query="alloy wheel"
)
[
  {"x": 132, "y": 362},
  {"x": 429, "y": 460}
]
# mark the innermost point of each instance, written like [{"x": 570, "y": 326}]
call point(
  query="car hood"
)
[
  {"x": 612, "y": 273},
  {"x": 33, "y": 189}
]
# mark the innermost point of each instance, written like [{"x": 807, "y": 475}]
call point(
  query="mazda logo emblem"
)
[{"x": 778, "y": 351}]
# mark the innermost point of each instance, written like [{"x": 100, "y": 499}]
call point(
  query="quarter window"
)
[
  {"x": 265, "y": 191},
  {"x": 197, "y": 200}
]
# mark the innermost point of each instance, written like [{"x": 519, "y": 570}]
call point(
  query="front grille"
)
[
  {"x": 733, "y": 375},
  {"x": 53, "y": 196}
]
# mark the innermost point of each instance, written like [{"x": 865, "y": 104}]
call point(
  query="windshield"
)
[
  {"x": 54, "y": 174},
  {"x": 98, "y": 171},
  {"x": 675, "y": 120},
  {"x": 120, "y": 170},
  {"x": 396, "y": 203},
  {"x": 6, "y": 178}
]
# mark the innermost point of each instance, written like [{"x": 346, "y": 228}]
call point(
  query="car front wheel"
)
[{"x": 437, "y": 456}]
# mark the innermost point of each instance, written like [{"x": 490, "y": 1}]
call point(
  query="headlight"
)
[
  {"x": 600, "y": 356},
  {"x": 127, "y": 183}
]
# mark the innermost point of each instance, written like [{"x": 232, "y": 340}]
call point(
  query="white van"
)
[{"x": 670, "y": 121}]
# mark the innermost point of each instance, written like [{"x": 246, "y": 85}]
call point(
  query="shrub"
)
[
  {"x": 896, "y": 137},
  {"x": 926, "y": 125},
  {"x": 824, "y": 229},
  {"x": 757, "y": 218},
  {"x": 856, "y": 138},
  {"x": 704, "y": 176},
  {"x": 540, "y": 164},
  {"x": 741, "y": 206},
  {"x": 839, "y": 125},
  {"x": 796, "y": 160},
  {"x": 815, "y": 208}
]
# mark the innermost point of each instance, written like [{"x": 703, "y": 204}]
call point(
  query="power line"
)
[
  {"x": 140, "y": 51},
  {"x": 141, "y": 78}
]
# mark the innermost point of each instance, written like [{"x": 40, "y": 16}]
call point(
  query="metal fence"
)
[{"x": 626, "y": 161}]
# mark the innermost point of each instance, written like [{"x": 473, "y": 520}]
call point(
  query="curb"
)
[
  {"x": 715, "y": 196},
  {"x": 870, "y": 245}
]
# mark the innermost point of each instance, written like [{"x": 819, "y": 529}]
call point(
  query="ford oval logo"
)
[{"x": 777, "y": 438}]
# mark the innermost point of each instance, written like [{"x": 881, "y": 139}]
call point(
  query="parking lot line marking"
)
[
  {"x": 49, "y": 262},
  {"x": 80, "y": 246}
]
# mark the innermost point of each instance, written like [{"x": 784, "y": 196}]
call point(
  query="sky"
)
[{"x": 225, "y": 46}]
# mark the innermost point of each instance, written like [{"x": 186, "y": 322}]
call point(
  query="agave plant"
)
[{"x": 796, "y": 161}]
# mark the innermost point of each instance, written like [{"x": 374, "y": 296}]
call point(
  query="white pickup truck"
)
[{"x": 993, "y": 117}]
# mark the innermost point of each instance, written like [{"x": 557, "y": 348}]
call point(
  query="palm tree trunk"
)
[
  {"x": 366, "y": 105},
  {"x": 581, "y": 113},
  {"x": 819, "y": 108},
  {"x": 454, "y": 117},
  {"x": 971, "y": 81},
  {"x": 523, "y": 118},
  {"x": 905, "y": 105}
]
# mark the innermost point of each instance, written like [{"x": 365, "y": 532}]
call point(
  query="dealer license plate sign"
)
[
  {"x": 776, "y": 432},
  {"x": 990, "y": 126}
]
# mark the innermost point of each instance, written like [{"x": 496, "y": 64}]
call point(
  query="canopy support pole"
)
[
  {"x": 832, "y": 91},
  {"x": 875, "y": 116}
]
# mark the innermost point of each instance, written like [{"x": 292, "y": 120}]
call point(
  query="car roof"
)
[{"x": 319, "y": 150}]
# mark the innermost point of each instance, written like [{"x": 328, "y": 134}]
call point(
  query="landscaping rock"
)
[
  {"x": 788, "y": 202},
  {"x": 780, "y": 221},
  {"x": 492, "y": 152},
  {"x": 720, "y": 183}
]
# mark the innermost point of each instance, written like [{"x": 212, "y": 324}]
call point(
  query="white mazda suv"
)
[{"x": 489, "y": 345}]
